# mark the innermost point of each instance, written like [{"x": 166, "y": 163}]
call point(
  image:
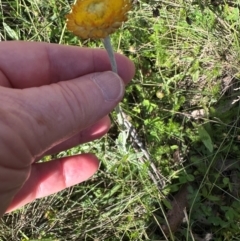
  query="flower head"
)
[{"x": 97, "y": 18}]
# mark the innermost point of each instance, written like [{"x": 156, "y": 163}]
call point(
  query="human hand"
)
[{"x": 51, "y": 99}]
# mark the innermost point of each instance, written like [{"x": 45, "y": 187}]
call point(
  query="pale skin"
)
[{"x": 49, "y": 102}]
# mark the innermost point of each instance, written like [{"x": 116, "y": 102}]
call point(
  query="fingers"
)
[
  {"x": 32, "y": 64},
  {"x": 51, "y": 177},
  {"x": 94, "y": 132},
  {"x": 56, "y": 112}
]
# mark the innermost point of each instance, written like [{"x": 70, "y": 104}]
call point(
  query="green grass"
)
[{"x": 187, "y": 61}]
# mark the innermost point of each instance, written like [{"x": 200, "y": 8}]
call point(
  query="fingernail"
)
[{"x": 110, "y": 84}]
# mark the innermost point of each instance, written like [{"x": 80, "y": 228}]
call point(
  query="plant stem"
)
[
  {"x": 108, "y": 46},
  {"x": 125, "y": 125}
]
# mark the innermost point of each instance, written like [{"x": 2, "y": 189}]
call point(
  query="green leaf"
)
[
  {"x": 215, "y": 220},
  {"x": 174, "y": 147},
  {"x": 12, "y": 34},
  {"x": 190, "y": 177},
  {"x": 226, "y": 180},
  {"x": 213, "y": 198},
  {"x": 229, "y": 214},
  {"x": 205, "y": 138},
  {"x": 167, "y": 204}
]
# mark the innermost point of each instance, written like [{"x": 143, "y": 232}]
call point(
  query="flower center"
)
[{"x": 97, "y": 8}]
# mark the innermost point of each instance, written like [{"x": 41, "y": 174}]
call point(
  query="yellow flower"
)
[{"x": 97, "y": 18}]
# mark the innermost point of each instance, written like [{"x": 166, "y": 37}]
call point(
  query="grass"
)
[{"x": 184, "y": 102}]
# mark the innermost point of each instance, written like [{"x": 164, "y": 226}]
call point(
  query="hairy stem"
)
[{"x": 125, "y": 125}]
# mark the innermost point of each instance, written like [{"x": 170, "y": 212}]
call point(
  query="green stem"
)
[
  {"x": 126, "y": 126},
  {"x": 108, "y": 47}
]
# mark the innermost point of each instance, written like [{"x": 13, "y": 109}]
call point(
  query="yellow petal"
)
[{"x": 97, "y": 18}]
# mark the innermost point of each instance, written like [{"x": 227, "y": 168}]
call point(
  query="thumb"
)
[{"x": 58, "y": 111}]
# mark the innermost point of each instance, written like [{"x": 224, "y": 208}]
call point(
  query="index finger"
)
[{"x": 33, "y": 64}]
